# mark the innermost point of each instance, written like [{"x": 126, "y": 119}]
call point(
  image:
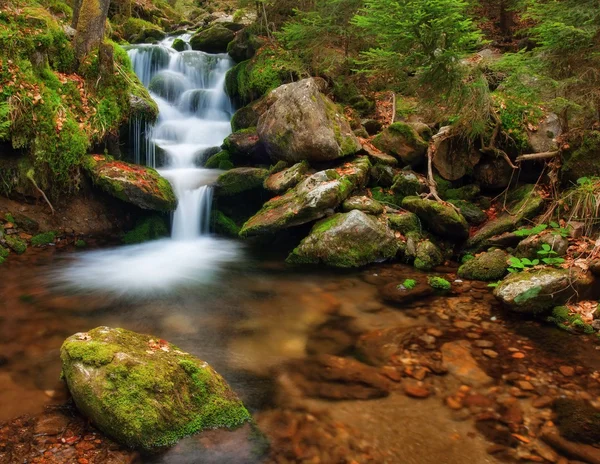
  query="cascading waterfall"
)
[{"x": 194, "y": 117}]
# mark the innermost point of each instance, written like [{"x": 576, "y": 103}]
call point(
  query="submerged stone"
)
[
  {"x": 303, "y": 124},
  {"x": 139, "y": 185},
  {"x": 144, "y": 392},
  {"x": 346, "y": 240},
  {"x": 440, "y": 218},
  {"x": 311, "y": 199}
]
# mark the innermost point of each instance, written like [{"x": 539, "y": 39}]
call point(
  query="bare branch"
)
[{"x": 536, "y": 156}]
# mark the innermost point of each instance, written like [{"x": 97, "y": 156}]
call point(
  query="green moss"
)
[
  {"x": 16, "y": 244},
  {"x": 3, "y": 254},
  {"x": 224, "y": 225},
  {"x": 244, "y": 118},
  {"x": 178, "y": 45},
  {"x": 428, "y": 256},
  {"x": 241, "y": 180},
  {"x": 386, "y": 196},
  {"x": 218, "y": 160},
  {"x": 91, "y": 353},
  {"x": 571, "y": 322},
  {"x": 472, "y": 213},
  {"x": 584, "y": 161},
  {"x": 487, "y": 267},
  {"x": 9, "y": 217},
  {"x": 405, "y": 223},
  {"x": 138, "y": 30},
  {"x": 467, "y": 193},
  {"x": 150, "y": 228},
  {"x": 43, "y": 239},
  {"x": 438, "y": 283},
  {"x": 80, "y": 243}
]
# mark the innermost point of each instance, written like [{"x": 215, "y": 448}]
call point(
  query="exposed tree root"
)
[{"x": 30, "y": 177}]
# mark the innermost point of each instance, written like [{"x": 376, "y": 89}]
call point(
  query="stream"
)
[{"x": 457, "y": 379}]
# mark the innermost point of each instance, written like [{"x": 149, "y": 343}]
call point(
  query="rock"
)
[
  {"x": 414, "y": 390},
  {"x": 247, "y": 116},
  {"x": 143, "y": 391},
  {"x": 537, "y": 291},
  {"x": 380, "y": 346},
  {"x": 244, "y": 46},
  {"x": 282, "y": 181},
  {"x": 332, "y": 377},
  {"x": 178, "y": 44},
  {"x": 404, "y": 222},
  {"x": 541, "y": 139},
  {"x": 457, "y": 358},
  {"x": 243, "y": 143},
  {"x": 240, "y": 180},
  {"x": 472, "y": 213},
  {"x": 313, "y": 198},
  {"x": 578, "y": 420},
  {"x": 584, "y": 160},
  {"x": 143, "y": 108},
  {"x": 397, "y": 293},
  {"x": 213, "y": 39},
  {"x": 364, "y": 204},
  {"x": 409, "y": 183},
  {"x": 487, "y": 267},
  {"x": 542, "y": 402},
  {"x": 382, "y": 174},
  {"x": 303, "y": 124},
  {"x": 583, "y": 453},
  {"x": 493, "y": 173},
  {"x": 380, "y": 157},
  {"x": 346, "y": 240},
  {"x": 454, "y": 158},
  {"x": 439, "y": 218},
  {"x": 138, "y": 185},
  {"x": 372, "y": 126},
  {"x": 403, "y": 142},
  {"x": 567, "y": 371},
  {"x": 490, "y": 353},
  {"x": 529, "y": 247},
  {"x": 523, "y": 203},
  {"x": 428, "y": 256}
]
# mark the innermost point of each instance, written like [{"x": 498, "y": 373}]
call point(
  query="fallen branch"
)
[
  {"x": 536, "y": 156},
  {"x": 30, "y": 177},
  {"x": 393, "y": 107}
]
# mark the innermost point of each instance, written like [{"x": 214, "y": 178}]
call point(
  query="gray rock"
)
[
  {"x": 441, "y": 219},
  {"x": 240, "y": 180},
  {"x": 529, "y": 247},
  {"x": 542, "y": 138},
  {"x": 282, "y": 181},
  {"x": 303, "y": 124},
  {"x": 213, "y": 39},
  {"x": 364, "y": 204}
]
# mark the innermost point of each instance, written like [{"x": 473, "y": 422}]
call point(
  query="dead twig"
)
[
  {"x": 537, "y": 156},
  {"x": 30, "y": 177}
]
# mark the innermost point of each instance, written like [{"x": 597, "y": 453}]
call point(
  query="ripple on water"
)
[{"x": 157, "y": 267}]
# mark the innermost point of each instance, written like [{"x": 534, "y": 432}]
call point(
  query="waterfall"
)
[{"x": 194, "y": 116}]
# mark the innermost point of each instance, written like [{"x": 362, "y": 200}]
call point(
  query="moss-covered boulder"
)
[
  {"x": 529, "y": 247},
  {"x": 150, "y": 228},
  {"x": 214, "y": 39},
  {"x": 540, "y": 290},
  {"x": 138, "y": 185},
  {"x": 15, "y": 243},
  {"x": 487, "y": 267},
  {"x": 364, "y": 204},
  {"x": 346, "y": 240},
  {"x": 404, "y": 222},
  {"x": 178, "y": 45},
  {"x": 220, "y": 160},
  {"x": 428, "y": 256},
  {"x": 472, "y": 213},
  {"x": 403, "y": 142},
  {"x": 311, "y": 199},
  {"x": 408, "y": 184},
  {"x": 440, "y": 218},
  {"x": 240, "y": 180},
  {"x": 382, "y": 175},
  {"x": 523, "y": 203},
  {"x": 282, "y": 181},
  {"x": 144, "y": 392},
  {"x": 578, "y": 420},
  {"x": 137, "y": 30},
  {"x": 585, "y": 160},
  {"x": 243, "y": 143},
  {"x": 244, "y": 46},
  {"x": 303, "y": 124},
  {"x": 223, "y": 224},
  {"x": 169, "y": 85}
]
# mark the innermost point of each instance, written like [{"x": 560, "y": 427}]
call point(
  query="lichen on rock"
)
[{"x": 144, "y": 392}]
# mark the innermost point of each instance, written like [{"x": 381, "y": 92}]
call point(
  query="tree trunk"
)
[
  {"x": 91, "y": 23},
  {"x": 76, "y": 8},
  {"x": 506, "y": 19}
]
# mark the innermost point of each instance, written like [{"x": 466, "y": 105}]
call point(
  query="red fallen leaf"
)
[{"x": 71, "y": 440}]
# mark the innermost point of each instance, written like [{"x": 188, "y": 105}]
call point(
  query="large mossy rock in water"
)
[
  {"x": 144, "y": 392},
  {"x": 346, "y": 240},
  {"x": 138, "y": 185},
  {"x": 212, "y": 40},
  {"x": 303, "y": 124},
  {"x": 533, "y": 292},
  {"x": 313, "y": 198},
  {"x": 441, "y": 219}
]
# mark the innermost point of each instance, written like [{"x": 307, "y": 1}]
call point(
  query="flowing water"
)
[{"x": 266, "y": 327}]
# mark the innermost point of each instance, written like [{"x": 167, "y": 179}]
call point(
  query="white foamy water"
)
[{"x": 194, "y": 116}]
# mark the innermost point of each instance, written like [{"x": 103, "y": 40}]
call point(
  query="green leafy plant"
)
[
  {"x": 494, "y": 284},
  {"x": 549, "y": 256},
  {"x": 521, "y": 264},
  {"x": 527, "y": 232}
]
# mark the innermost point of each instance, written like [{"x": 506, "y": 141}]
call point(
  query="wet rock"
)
[
  {"x": 536, "y": 291},
  {"x": 213, "y": 39},
  {"x": 578, "y": 420},
  {"x": 457, "y": 358},
  {"x": 490, "y": 266},
  {"x": 524, "y": 203},
  {"x": 365, "y": 204},
  {"x": 138, "y": 185},
  {"x": 416, "y": 390},
  {"x": 372, "y": 126},
  {"x": 397, "y": 293},
  {"x": 582, "y": 452},
  {"x": 243, "y": 143},
  {"x": 313, "y": 198},
  {"x": 439, "y": 218},
  {"x": 282, "y": 181},
  {"x": 244, "y": 46},
  {"x": 404, "y": 222},
  {"x": 380, "y": 346},
  {"x": 428, "y": 256},
  {"x": 303, "y": 124},
  {"x": 346, "y": 240},
  {"x": 472, "y": 213},
  {"x": 332, "y": 377},
  {"x": 143, "y": 391},
  {"x": 529, "y": 247},
  {"x": 403, "y": 142},
  {"x": 409, "y": 183},
  {"x": 241, "y": 180}
]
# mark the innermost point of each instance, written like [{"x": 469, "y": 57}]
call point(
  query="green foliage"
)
[
  {"x": 3, "y": 254},
  {"x": 43, "y": 239},
  {"x": 549, "y": 256},
  {"x": 521, "y": 264},
  {"x": 526, "y": 232},
  {"x": 565, "y": 320},
  {"x": 439, "y": 283},
  {"x": 424, "y": 36},
  {"x": 408, "y": 284}
]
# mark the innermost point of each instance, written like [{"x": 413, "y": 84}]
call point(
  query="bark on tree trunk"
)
[
  {"x": 76, "y": 8},
  {"x": 90, "y": 26}
]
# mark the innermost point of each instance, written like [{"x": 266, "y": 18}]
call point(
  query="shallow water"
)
[{"x": 254, "y": 317}]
